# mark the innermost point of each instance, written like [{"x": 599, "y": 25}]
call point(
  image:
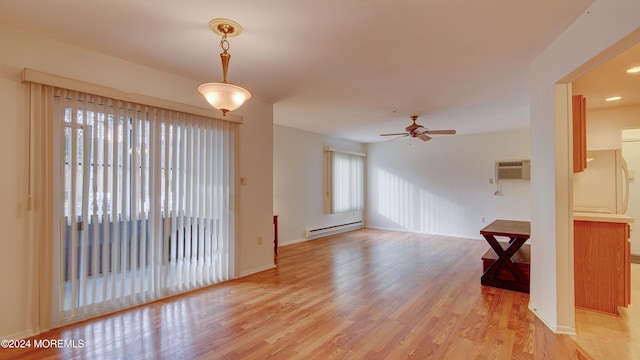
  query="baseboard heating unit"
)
[{"x": 331, "y": 230}]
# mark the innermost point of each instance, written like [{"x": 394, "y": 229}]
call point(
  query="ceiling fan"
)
[{"x": 418, "y": 131}]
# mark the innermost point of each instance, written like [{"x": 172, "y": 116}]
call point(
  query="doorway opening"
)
[{"x": 631, "y": 153}]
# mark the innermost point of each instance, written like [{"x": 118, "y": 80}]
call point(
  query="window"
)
[
  {"x": 141, "y": 204},
  {"x": 345, "y": 181}
]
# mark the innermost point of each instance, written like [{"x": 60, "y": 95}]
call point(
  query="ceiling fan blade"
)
[
  {"x": 439, "y": 132},
  {"x": 418, "y": 131},
  {"x": 397, "y": 134},
  {"x": 401, "y": 136}
]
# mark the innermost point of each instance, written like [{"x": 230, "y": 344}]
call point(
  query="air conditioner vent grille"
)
[{"x": 513, "y": 170}]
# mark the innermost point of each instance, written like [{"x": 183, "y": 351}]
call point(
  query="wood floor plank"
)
[{"x": 367, "y": 294}]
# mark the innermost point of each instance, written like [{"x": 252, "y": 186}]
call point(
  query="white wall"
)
[
  {"x": 255, "y": 213},
  {"x": 604, "y": 126},
  {"x": 18, "y": 306},
  {"x": 442, "y": 186},
  {"x": 298, "y": 182},
  {"x": 604, "y": 24}
]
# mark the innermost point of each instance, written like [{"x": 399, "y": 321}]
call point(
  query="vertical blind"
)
[
  {"x": 345, "y": 181},
  {"x": 142, "y": 202}
]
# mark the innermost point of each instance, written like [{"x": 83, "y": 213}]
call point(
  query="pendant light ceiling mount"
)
[
  {"x": 224, "y": 96},
  {"x": 223, "y": 27}
]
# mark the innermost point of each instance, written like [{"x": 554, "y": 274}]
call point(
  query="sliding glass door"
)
[{"x": 143, "y": 204}]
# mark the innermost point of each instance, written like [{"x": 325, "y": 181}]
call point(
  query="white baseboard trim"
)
[
  {"x": 566, "y": 330},
  {"x": 563, "y": 330},
  {"x": 256, "y": 270}
]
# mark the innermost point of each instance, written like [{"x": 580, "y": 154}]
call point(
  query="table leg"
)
[{"x": 504, "y": 260}]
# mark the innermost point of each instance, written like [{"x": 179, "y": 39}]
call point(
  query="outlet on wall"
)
[{"x": 259, "y": 240}]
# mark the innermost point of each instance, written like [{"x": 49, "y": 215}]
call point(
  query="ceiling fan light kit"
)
[
  {"x": 224, "y": 96},
  {"x": 418, "y": 131}
]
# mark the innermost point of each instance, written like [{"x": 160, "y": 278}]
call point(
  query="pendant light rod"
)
[{"x": 225, "y": 57}]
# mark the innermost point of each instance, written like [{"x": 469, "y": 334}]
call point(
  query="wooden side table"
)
[{"x": 518, "y": 233}]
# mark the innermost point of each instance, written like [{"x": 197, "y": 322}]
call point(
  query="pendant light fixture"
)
[{"x": 224, "y": 96}]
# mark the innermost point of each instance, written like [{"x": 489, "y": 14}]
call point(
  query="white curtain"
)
[
  {"x": 346, "y": 181},
  {"x": 141, "y": 201}
]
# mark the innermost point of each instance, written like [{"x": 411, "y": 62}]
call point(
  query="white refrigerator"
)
[{"x": 604, "y": 185}]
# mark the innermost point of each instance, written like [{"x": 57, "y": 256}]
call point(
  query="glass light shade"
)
[{"x": 224, "y": 97}]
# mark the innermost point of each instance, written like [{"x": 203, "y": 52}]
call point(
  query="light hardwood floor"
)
[
  {"x": 366, "y": 294},
  {"x": 605, "y": 336}
]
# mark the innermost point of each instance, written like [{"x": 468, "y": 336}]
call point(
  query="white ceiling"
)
[{"x": 346, "y": 68}]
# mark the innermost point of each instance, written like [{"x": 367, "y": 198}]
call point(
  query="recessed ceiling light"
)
[
  {"x": 613, "y": 98},
  {"x": 634, "y": 70}
]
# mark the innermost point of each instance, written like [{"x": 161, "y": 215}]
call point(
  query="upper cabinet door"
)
[{"x": 579, "y": 108}]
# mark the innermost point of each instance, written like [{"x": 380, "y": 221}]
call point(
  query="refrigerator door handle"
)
[{"x": 625, "y": 201}]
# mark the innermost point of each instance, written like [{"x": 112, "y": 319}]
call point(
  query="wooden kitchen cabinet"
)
[
  {"x": 579, "y": 109},
  {"x": 602, "y": 265}
]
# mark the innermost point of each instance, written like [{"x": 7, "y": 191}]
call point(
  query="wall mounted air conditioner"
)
[{"x": 513, "y": 170}]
